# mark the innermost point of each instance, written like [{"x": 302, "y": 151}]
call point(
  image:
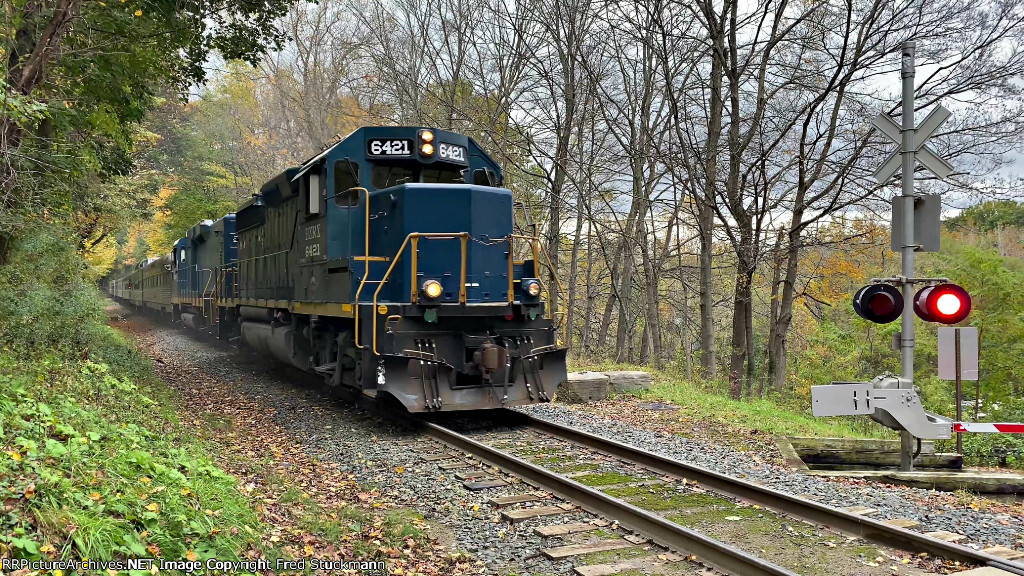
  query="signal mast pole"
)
[{"x": 909, "y": 243}]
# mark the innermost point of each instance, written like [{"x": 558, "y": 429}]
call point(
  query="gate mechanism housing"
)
[{"x": 892, "y": 402}]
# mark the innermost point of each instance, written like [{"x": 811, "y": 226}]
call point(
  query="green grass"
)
[
  {"x": 605, "y": 478},
  {"x": 709, "y": 402}
]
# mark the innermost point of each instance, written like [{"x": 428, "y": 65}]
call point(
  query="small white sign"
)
[{"x": 968, "y": 353}]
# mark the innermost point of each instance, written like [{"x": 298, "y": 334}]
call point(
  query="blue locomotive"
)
[{"x": 388, "y": 263}]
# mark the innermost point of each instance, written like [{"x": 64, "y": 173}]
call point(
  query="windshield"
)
[{"x": 387, "y": 175}]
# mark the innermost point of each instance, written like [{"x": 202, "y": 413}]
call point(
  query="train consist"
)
[{"x": 387, "y": 263}]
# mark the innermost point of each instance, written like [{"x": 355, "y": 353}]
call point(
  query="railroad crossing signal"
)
[
  {"x": 943, "y": 303},
  {"x": 925, "y": 155}
]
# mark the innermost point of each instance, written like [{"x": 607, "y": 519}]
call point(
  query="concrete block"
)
[
  {"x": 584, "y": 387},
  {"x": 629, "y": 381}
]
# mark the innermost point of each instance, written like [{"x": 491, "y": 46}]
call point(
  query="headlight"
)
[
  {"x": 432, "y": 289},
  {"x": 427, "y": 136},
  {"x": 533, "y": 288},
  {"x": 427, "y": 149}
]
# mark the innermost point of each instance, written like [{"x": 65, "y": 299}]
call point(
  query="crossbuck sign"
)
[{"x": 925, "y": 155}]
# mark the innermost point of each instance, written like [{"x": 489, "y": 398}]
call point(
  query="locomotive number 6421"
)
[{"x": 389, "y": 147}]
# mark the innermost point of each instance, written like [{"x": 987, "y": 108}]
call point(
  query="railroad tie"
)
[
  {"x": 521, "y": 514},
  {"x": 947, "y": 536},
  {"x": 634, "y": 564},
  {"x": 984, "y": 571},
  {"x": 515, "y": 499},
  {"x": 566, "y": 529},
  {"x": 437, "y": 457},
  {"x": 484, "y": 483},
  {"x": 903, "y": 523},
  {"x": 560, "y": 552},
  {"x": 1004, "y": 552},
  {"x": 455, "y": 465}
]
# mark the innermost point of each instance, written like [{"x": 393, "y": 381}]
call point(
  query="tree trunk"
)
[
  {"x": 777, "y": 361},
  {"x": 652, "y": 322},
  {"x": 589, "y": 308},
  {"x": 624, "y": 323},
  {"x": 574, "y": 265},
  {"x": 705, "y": 212},
  {"x": 741, "y": 294},
  {"x": 773, "y": 315}
]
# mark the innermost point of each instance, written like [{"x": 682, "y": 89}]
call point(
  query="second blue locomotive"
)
[{"x": 387, "y": 264}]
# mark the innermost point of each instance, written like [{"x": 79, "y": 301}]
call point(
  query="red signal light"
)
[
  {"x": 943, "y": 303},
  {"x": 879, "y": 303}
]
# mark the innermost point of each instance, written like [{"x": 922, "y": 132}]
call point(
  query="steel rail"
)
[
  {"x": 873, "y": 530},
  {"x": 666, "y": 533}
]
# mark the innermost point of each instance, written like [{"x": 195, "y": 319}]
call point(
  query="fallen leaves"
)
[{"x": 289, "y": 486}]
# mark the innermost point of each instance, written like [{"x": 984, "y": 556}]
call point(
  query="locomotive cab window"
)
[
  {"x": 346, "y": 177},
  {"x": 313, "y": 193},
  {"x": 388, "y": 175},
  {"x": 442, "y": 176},
  {"x": 484, "y": 177}
]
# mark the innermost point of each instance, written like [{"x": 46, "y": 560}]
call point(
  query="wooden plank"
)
[
  {"x": 1004, "y": 552},
  {"x": 802, "y": 443},
  {"x": 789, "y": 455},
  {"x": 861, "y": 510},
  {"x": 561, "y": 552},
  {"x": 527, "y": 513},
  {"x": 514, "y": 499},
  {"x": 565, "y": 529},
  {"x": 470, "y": 475},
  {"x": 947, "y": 536},
  {"x": 437, "y": 457},
  {"x": 855, "y": 458},
  {"x": 484, "y": 484},
  {"x": 903, "y": 522}
]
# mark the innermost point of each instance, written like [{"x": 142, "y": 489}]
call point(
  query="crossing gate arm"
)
[{"x": 989, "y": 427}]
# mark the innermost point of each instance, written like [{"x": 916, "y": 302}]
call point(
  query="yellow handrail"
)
[
  {"x": 539, "y": 249},
  {"x": 366, "y": 260},
  {"x": 464, "y": 236}
]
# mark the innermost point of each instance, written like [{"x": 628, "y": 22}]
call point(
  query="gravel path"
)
[{"x": 981, "y": 528}]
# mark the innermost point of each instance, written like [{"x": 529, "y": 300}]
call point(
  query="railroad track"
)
[{"x": 663, "y": 531}]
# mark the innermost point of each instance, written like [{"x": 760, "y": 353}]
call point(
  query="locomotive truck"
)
[{"x": 389, "y": 263}]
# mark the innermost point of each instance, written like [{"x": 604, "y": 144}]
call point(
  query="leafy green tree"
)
[
  {"x": 988, "y": 216},
  {"x": 80, "y": 76}
]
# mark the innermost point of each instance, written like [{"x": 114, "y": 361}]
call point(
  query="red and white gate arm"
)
[{"x": 989, "y": 427}]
